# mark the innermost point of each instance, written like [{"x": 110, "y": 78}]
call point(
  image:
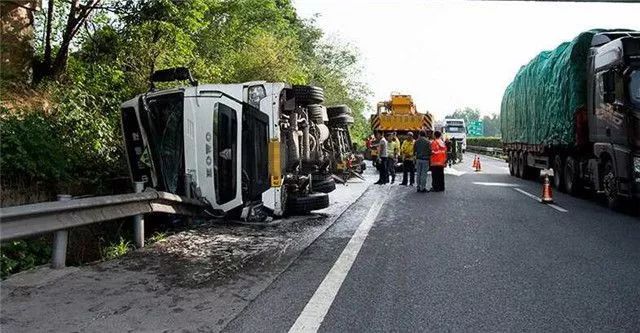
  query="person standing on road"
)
[
  {"x": 408, "y": 164},
  {"x": 382, "y": 154},
  {"x": 394, "y": 152},
  {"x": 422, "y": 153},
  {"x": 438, "y": 162}
]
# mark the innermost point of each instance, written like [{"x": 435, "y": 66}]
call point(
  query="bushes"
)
[
  {"x": 485, "y": 142},
  {"x": 77, "y": 136},
  {"x": 16, "y": 256}
]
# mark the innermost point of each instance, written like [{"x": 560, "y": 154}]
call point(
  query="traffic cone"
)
[
  {"x": 474, "y": 165},
  {"x": 478, "y": 165},
  {"x": 547, "y": 195}
]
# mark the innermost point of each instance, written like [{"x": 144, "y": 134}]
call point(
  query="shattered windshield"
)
[
  {"x": 165, "y": 132},
  {"x": 634, "y": 88}
]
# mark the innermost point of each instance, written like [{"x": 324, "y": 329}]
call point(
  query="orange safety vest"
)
[{"x": 438, "y": 153}]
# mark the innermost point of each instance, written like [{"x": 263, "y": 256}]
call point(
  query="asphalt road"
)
[{"x": 482, "y": 256}]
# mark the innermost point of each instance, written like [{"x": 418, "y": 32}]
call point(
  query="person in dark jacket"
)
[
  {"x": 383, "y": 155},
  {"x": 422, "y": 153}
]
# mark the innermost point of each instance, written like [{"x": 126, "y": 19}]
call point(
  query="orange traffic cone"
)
[
  {"x": 547, "y": 195},
  {"x": 478, "y": 165},
  {"x": 474, "y": 165}
]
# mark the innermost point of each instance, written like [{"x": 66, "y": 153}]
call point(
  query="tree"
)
[
  {"x": 77, "y": 13},
  {"x": 467, "y": 113},
  {"x": 491, "y": 125}
]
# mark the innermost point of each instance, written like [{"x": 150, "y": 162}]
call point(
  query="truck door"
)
[{"x": 219, "y": 124}]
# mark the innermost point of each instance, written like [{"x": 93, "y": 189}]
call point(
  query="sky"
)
[{"x": 453, "y": 54}]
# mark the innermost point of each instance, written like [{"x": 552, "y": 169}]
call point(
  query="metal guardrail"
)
[
  {"x": 492, "y": 151},
  {"x": 59, "y": 216}
]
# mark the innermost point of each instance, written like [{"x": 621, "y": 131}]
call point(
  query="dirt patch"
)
[{"x": 213, "y": 253}]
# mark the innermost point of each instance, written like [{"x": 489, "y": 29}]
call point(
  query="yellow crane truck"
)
[{"x": 399, "y": 114}]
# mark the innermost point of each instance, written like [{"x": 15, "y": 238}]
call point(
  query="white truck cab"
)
[
  {"x": 457, "y": 129},
  {"x": 233, "y": 146}
]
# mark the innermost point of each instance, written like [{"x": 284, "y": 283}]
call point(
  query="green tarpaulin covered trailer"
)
[{"x": 538, "y": 106}]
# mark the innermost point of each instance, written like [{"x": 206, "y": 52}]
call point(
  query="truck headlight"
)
[
  {"x": 636, "y": 168},
  {"x": 256, "y": 94}
]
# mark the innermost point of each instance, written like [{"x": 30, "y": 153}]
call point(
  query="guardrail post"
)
[
  {"x": 60, "y": 241},
  {"x": 138, "y": 220}
]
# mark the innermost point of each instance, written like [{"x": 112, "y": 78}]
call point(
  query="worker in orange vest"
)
[{"x": 438, "y": 162}]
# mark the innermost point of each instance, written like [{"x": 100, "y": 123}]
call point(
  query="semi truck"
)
[
  {"x": 576, "y": 110},
  {"x": 456, "y": 129},
  {"x": 248, "y": 150}
]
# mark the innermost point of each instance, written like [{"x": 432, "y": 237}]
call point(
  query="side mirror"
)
[{"x": 609, "y": 86}]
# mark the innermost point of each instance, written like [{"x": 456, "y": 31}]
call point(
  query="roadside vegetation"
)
[
  {"x": 60, "y": 130},
  {"x": 491, "y": 123},
  {"x": 492, "y": 142}
]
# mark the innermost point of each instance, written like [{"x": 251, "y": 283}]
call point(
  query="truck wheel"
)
[
  {"x": 306, "y": 95},
  {"x": 557, "y": 173},
  {"x": 338, "y": 110},
  {"x": 571, "y": 181},
  {"x": 610, "y": 184},
  {"x": 344, "y": 119},
  {"x": 307, "y": 203},
  {"x": 520, "y": 166},
  {"x": 316, "y": 113},
  {"x": 512, "y": 164},
  {"x": 323, "y": 184}
]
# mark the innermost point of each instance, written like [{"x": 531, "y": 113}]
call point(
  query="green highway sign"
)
[{"x": 476, "y": 128}]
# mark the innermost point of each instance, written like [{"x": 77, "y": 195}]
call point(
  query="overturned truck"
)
[{"x": 248, "y": 150}]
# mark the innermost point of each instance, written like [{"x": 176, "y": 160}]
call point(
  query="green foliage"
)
[
  {"x": 491, "y": 125},
  {"x": 157, "y": 237},
  {"x": 116, "y": 250},
  {"x": 77, "y": 136},
  {"x": 31, "y": 146},
  {"x": 467, "y": 113},
  {"x": 21, "y": 255},
  {"x": 485, "y": 142}
]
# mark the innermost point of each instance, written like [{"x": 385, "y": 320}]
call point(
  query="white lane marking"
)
[
  {"x": 558, "y": 208},
  {"x": 554, "y": 206},
  {"x": 527, "y": 194},
  {"x": 318, "y": 306},
  {"x": 496, "y": 184}
]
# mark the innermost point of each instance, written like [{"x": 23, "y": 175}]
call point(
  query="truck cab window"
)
[
  {"x": 225, "y": 147},
  {"x": 165, "y": 132}
]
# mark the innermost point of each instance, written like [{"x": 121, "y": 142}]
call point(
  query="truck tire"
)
[
  {"x": 344, "y": 119},
  {"x": 324, "y": 186},
  {"x": 571, "y": 179},
  {"x": 307, "y": 95},
  {"x": 520, "y": 166},
  {"x": 338, "y": 110},
  {"x": 558, "y": 181},
  {"x": 322, "y": 182},
  {"x": 316, "y": 111},
  {"x": 610, "y": 184},
  {"x": 307, "y": 203},
  {"x": 512, "y": 164}
]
